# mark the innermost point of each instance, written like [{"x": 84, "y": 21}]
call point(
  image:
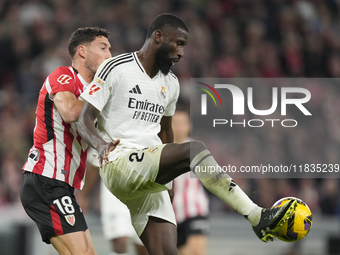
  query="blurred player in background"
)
[
  {"x": 190, "y": 203},
  {"x": 56, "y": 162},
  {"x": 134, "y": 96},
  {"x": 115, "y": 216}
]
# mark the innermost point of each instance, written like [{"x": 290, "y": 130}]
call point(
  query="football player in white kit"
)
[{"x": 133, "y": 96}]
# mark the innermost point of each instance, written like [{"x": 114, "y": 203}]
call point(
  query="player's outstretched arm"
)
[{"x": 88, "y": 132}]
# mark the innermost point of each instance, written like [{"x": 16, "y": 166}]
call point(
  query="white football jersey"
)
[{"x": 131, "y": 104}]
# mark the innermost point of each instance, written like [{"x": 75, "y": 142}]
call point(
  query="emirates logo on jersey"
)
[{"x": 64, "y": 79}]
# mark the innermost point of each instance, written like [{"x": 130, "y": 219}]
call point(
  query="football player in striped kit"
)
[{"x": 56, "y": 162}]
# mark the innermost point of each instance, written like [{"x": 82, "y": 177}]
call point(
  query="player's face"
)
[
  {"x": 172, "y": 49},
  {"x": 97, "y": 51}
]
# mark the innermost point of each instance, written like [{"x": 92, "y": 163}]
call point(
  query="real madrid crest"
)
[
  {"x": 163, "y": 92},
  {"x": 153, "y": 149}
]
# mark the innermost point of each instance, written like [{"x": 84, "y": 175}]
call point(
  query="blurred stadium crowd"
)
[{"x": 231, "y": 38}]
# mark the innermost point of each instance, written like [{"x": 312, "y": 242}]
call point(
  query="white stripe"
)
[
  {"x": 73, "y": 72},
  {"x": 48, "y": 86},
  {"x": 49, "y": 163},
  {"x": 60, "y": 147},
  {"x": 83, "y": 82}
]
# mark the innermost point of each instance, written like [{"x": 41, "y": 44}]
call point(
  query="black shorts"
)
[
  {"x": 51, "y": 204},
  {"x": 198, "y": 225}
]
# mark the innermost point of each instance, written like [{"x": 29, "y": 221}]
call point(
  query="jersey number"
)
[
  {"x": 135, "y": 156},
  {"x": 65, "y": 205}
]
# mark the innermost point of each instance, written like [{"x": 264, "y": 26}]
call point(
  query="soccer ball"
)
[{"x": 298, "y": 225}]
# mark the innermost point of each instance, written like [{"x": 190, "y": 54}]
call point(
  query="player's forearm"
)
[
  {"x": 86, "y": 127},
  {"x": 166, "y": 136},
  {"x": 88, "y": 132}
]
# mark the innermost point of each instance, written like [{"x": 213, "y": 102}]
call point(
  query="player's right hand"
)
[{"x": 105, "y": 149}]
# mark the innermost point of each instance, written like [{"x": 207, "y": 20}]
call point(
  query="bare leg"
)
[
  {"x": 175, "y": 160},
  {"x": 160, "y": 237},
  {"x": 195, "y": 245},
  {"x": 79, "y": 243}
]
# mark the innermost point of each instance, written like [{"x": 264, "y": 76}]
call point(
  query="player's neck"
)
[
  {"x": 84, "y": 72},
  {"x": 147, "y": 58}
]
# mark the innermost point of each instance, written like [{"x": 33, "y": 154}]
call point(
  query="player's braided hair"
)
[
  {"x": 83, "y": 36},
  {"x": 166, "y": 19}
]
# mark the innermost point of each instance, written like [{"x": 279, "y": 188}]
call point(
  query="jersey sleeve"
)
[
  {"x": 171, "y": 107},
  {"x": 61, "y": 79},
  {"x": 102, "y": 86}
]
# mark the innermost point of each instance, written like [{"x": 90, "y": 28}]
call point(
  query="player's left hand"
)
[{"x": 105, "y": 149}]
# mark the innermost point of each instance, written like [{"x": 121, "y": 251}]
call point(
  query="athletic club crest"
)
[
  {"x": 70, "y": 219},
  {"x": 163, "y": 93}
]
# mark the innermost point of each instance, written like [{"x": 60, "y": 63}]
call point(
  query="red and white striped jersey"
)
[
  {"x": 190, "y": 198},
  {"x": 58, "y": 151}
]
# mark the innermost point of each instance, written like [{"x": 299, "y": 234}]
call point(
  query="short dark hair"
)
[
  {"x": 85, "y": 35},
  {"x": 166, "y": 19}
]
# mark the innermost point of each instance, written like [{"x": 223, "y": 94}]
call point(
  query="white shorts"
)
[
  {"x": 131, "y": 178},
  {"x": 115, "y": 217}
]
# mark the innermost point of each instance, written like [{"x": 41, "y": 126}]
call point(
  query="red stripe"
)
[
  {"x": 39, "y": 167},
  {"x": 58, "y": 229},
  {"x": 68, "y": 141},
  {"x": 80, "y": 173}
]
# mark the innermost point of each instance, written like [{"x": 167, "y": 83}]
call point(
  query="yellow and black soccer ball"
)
[{"x": 298, "y": 225}]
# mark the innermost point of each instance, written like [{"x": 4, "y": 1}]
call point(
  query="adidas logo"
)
[{"x": 135, "y": 90}]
